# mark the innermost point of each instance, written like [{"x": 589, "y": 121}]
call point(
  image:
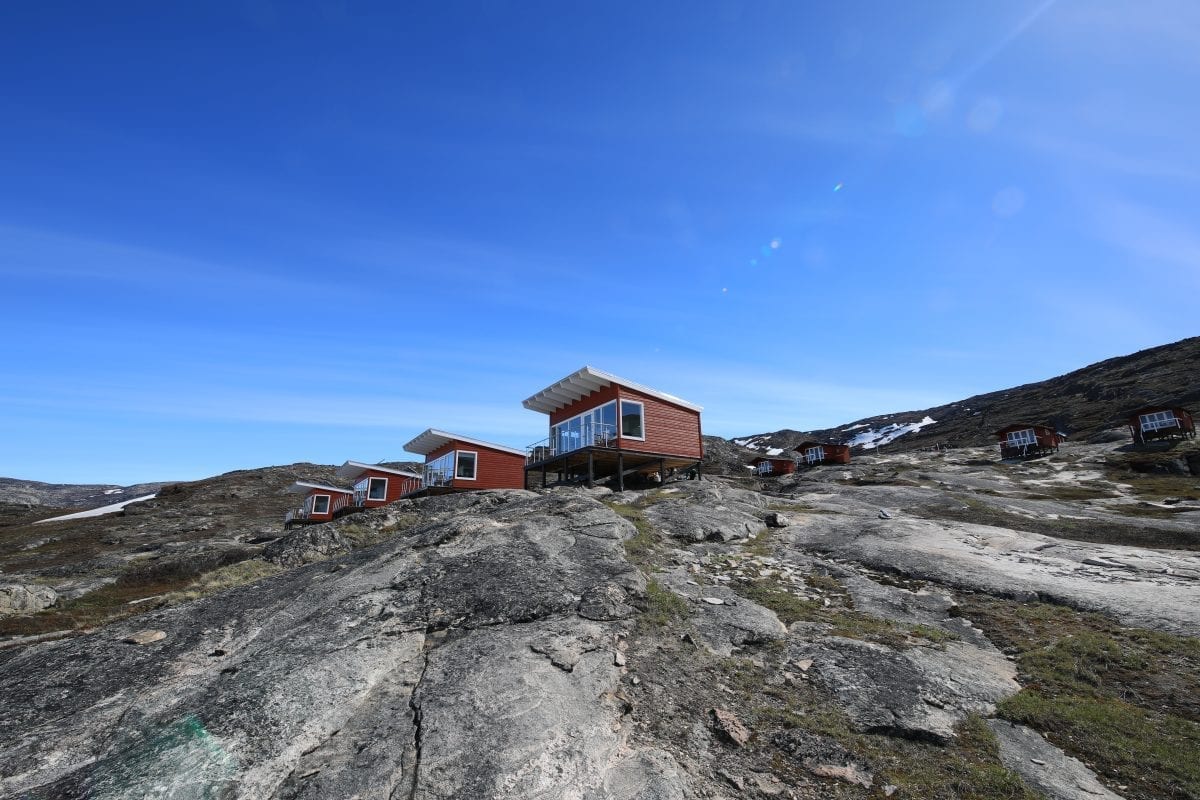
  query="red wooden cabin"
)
[
  {"x": 321, "y": 503},
  {"x": 376, "y": 486},
  {"x": 605, "y": 426},
  {"x": 1024, "y": 439},
  {"x": 455, "y": 463},
  {"x": 1161, "y": 422},
  {"x": 772, "y": 465},
  {"x": 816, "y": 453}
]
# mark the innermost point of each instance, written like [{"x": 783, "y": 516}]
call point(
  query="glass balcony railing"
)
[{"x": 588, "y": 435}]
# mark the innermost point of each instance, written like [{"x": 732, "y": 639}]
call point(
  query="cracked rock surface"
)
[{"x": 451, "y": 662}]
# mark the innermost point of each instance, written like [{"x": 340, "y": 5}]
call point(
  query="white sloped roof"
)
[
  {"x": 352, "y": 469},
  {"x": 431, "y": 439},
  {"x": 580, "y": 384},
  {"x": 303, "y": 487}
]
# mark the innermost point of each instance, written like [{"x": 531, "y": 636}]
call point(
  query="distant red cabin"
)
[
  {"x": 605, "y": 426},
  {"x": 455, "y": 463},
  {"x": 321, "y": 503},
  {"x": 1161, "y": 422},
  {"x": 1024, "y": 439},
  {"x": 767, "y": 465},
  {"x": 376, "y": 486},
  {"x": 815, "y": 453}
]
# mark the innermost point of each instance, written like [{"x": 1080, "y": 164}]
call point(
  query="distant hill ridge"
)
[{"x": 1081, "y": 404}]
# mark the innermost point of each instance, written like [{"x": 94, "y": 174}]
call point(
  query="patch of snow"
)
[
  {"x": 871, "y": 438},
  {"x": 774, "y": 451},
  {"x": 856, "y": 427},
  {"x": 99, "y": 512},
  {"x": 114, "y": 491}
]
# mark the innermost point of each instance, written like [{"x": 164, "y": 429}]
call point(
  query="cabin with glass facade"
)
[
  {"x": 321, "y": 503},
  {"x": 813, "y": 454},
  {"x": 375, "y": 486},
  {"x": 603, "y": 426},
  {"x": 1025, "y": 440},
  {"x": 456, "y": 463},
  {"x": 773, "y": 465},
  {"x": 1161, "y": 422}
]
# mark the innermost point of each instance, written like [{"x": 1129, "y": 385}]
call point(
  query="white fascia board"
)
[
  {"x": 430, "y": 440},
  {"x": 587, "y": 380},
  {"x": 302, "y": 487},
  {"x": 352, "y": 469}
]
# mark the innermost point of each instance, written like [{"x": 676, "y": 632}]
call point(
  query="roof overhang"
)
[
  {"x": 352, "y": 469},
  {"x": 304, "y": 487},
  {"x": 1019, "y": 426},
  {"x": 580, "y": 384},
  {"x": 425, "y": 443}
]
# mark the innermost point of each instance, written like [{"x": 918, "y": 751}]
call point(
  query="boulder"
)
[
  {"x": 24, "y": 598},
  {"x": 306, "y": 545}
]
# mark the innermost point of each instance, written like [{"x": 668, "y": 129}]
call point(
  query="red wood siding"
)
[
  {"x": 395, "y": 487},
  {"x": 837, "y": 453},
  {"x": 670, "y": 429},
  {"x": 779, "y": 466},
  {"x": 494, "y": 469},
  {"x": 321, "y": 517}
]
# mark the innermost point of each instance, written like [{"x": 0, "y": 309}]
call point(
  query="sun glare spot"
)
[
  {"x": 1008, "y": 202},
  {"x": 775, "y": 244},
  {"x": 984, "y": 115},
  {"x": 837, "y": 187}
]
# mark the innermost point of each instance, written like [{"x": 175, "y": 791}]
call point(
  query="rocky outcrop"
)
[
  {"x": 917, "y": 692},
  {"x": 449, "y": 662},
  {"x": 1046, "y": 768},
  {"x": 708, "y": 511}
]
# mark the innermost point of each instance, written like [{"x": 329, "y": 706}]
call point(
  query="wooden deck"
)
[{"x": 590, "y": 464}]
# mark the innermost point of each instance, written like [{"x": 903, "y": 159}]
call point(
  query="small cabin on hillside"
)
[
  {"x": 774, "y": 465},
  {"x": 455, "y": 463},
  {"x": 1161, "y": 422},
  {"x": 376, "y": 486},
  {"x": 816, "y": 453},
  {"x": 1025, "y": 440},
  {"x": 321, "y": 503},
  {"x": 603, "y": 426}
]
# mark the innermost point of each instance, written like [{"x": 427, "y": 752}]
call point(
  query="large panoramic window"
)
[
  {"x": 1022, "y": 438},
  {"x": 764, "y": 467},
  {"x": 596, "y": 427},
  {"x": 440, "y": 471},
  {"x": 1158, "y": 420},
  {"x": 632, "y": 426},
  {"x": 814, "y": 454},
  {"x": 466, "y": 465},
  {"x": 320, "y": 504}
]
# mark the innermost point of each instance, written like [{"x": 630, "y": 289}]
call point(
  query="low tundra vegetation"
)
[{"x": 1125, "y": 701}]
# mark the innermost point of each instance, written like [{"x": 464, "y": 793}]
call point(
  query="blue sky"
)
[{"x": 240, "y": 234}]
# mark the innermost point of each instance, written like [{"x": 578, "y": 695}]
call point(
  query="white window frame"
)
[
  {"x": 370, "y": 481},
  {"x": 555, "y": 438},
  {"x": 765, "y": 467},
  {"x": 313, "y": 506},
  {"x": 814, "y": 454},
  {"x": 1026, "y": 437},
  {"x": 1158, "y": 420},
  {"x": 621, "y": 420},
  {"x": 474, "y": 473}
]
